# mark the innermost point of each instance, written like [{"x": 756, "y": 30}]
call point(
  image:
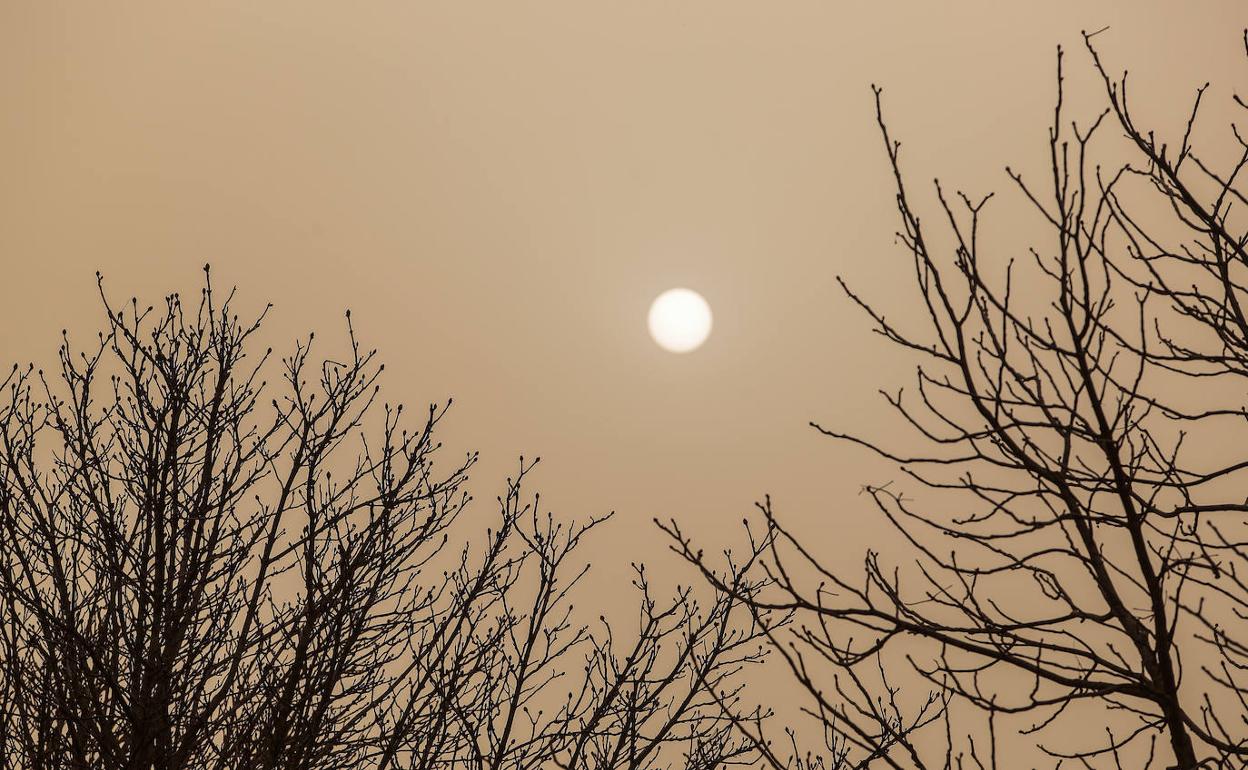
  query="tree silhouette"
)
[
  {"x": 200, "y": 569},
  {"x": 1076, "y": 564}
]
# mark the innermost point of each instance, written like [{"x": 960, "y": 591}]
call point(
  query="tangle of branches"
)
[{"x": 1072, "y": 570}]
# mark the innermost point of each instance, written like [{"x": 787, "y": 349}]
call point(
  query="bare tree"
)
[
  {"x": 199, "y": 569},
  {"x": 1076, "y": 566}
]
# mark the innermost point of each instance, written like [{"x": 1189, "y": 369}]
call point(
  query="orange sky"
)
[{"x": 499, "y": 189}]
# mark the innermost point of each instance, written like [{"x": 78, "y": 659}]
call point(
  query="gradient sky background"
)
[{"x": 498, "y": 190}]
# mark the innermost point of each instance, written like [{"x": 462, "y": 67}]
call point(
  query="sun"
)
[{"x": 680, "y": 320}]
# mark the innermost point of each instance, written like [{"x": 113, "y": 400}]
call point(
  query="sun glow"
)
[{"x": 680, "y": 320}]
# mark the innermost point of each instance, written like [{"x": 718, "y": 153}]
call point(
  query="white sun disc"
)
[{"x": 680, "y": 320}]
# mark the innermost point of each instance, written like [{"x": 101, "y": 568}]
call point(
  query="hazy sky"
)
[{"x": 498, "y": 190}]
